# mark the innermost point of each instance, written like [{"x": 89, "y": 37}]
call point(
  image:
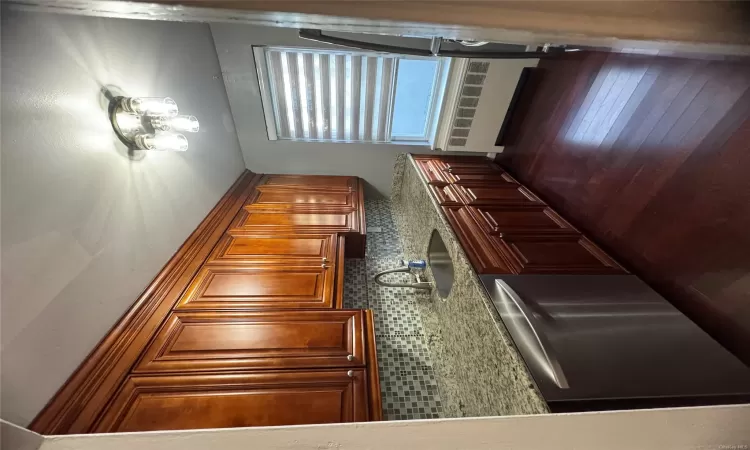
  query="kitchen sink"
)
[{"x": 441, "y": 264}]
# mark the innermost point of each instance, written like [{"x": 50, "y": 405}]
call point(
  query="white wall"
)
[
  {"x": 372, "y": 162},
  {"x": 720, "y": 427},
  {"x": 84, "y": 228}
]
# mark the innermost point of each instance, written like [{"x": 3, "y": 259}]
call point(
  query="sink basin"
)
[{"x": 441, "y": 264}]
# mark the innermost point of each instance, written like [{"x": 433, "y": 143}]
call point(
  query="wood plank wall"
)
[{"x": 650, "y": 156}]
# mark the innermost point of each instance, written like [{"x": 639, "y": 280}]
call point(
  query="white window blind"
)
[
  {"x": 349, "y": 96},
  {"x": 327, "y": 96}
]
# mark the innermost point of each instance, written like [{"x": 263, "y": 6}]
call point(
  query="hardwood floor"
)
[{"x": 650, "y": 156}]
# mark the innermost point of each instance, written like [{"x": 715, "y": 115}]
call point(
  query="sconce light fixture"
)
[{"x": 150, "y": 123}]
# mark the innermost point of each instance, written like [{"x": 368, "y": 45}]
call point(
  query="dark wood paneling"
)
[
  {"x": 650, "y": 156},
  {"x": 75, "y": 406},
  {"x": 262, "y": 398},
  {"x": 200, "y": 341}
]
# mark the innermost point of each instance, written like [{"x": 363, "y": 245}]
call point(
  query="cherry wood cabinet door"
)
[
  {"x": 483, "y": 255},
  {"x": 550, "y": 254},
  {"x": 505, "y": 195},
  {"x": 201, "y": 341},
  {"x": 322, "y": 182},
  {"x": 487, "y": 178},
  {"x": 505, "y": 221},
  {"x": 446, "y": 195},
  {"x": 239, "y": 287},
  {"x": 251, "y": 248},
  {"x": 273, "y": 221},
  {"x": 284, "y": 198},
  {"x": 432, "y": 173},
  {"x": 260, "y": 398}
]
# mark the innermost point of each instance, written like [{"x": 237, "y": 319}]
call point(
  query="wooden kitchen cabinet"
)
[
  {"x": 432, "y": 173},
  {"x": 483, "y": 255},
  {"x": 285, "y": 198},
  {"x": 315, "y": 182},
  {"x": 243, "y": 327},
  {"x": 205, "y": 341},
  {"x": 484, "y": 195},
  {"x": 256, "y": 398},
  {"x": 242, "y": 247},
  {"x": 550, "y": 254},
  {"x": 504, "y": 227},
  {"x": 446, "y": 195},
  {"x": 252, "y": 287},
  {"x": 508, "y": 221}
]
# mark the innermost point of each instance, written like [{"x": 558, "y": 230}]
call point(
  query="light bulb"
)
[
  {"x": 151, "y": 106},
  {"x": 184, "y": 123},
  {"x": 128, "y": 123},
  {"x": 162, "y": 141}
]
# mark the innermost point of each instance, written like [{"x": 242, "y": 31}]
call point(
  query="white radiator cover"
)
[{"x": 497, "y": 88}]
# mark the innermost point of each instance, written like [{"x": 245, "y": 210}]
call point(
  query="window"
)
[{"x": 349, "y": 96}]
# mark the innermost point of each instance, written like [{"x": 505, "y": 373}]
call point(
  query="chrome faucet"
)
[{"x": 414, "y": 267}]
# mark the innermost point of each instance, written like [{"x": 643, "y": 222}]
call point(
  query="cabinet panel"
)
[
  {"x": 264, "y": 398},
  {"x": 237, "y": 287},
  {"x": 505, "y": 221},
  {"x": 296, "y": 221},
  {"x": 446, "y": 195},
  {"x": 504, "y": 195},
  {"x": 249, "y": 248},
  {"x": 483, "y": 178},
  {"x": 195, "y": 341},
  {"x": 483, "y": 255},
  {"x": 325, "y": 182},
  {"x": 555, "y": 255},
  {"x": 431, "y": 172},
  {"x": 273, "y": 197}
]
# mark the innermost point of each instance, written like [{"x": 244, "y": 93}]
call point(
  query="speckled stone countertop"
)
[{"x": 478, "y": 369}]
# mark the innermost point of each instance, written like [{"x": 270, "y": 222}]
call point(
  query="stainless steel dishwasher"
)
[{"x": 597, "y": 342}]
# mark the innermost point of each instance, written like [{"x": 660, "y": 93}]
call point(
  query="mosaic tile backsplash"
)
[{"x": 407, "y": 378}]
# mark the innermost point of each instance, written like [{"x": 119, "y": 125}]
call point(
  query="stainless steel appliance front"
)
[{"x": 606, "y": 337}]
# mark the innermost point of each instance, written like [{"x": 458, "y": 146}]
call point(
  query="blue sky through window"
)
[{"x": 414, "y": 88}]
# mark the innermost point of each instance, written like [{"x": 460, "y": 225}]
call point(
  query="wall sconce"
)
[{"x": 150, "y": 123}]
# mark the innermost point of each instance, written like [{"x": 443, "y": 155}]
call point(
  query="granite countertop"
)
[{"x": 478, "y": 369}]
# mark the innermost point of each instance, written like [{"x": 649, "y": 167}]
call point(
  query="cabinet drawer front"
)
[
  {"x": 323, "y": 182},
  {"x": 281, "y": 198},
  {"x": 296, "y": 221},
  {"x": 237, "y": 287},
  {"x": 265, "y": 398},
  {"x": 510, "y": 195},
  {"x": 504, "y": 221},
  {"x": 556, "y": 255},
  {"x": 196, "y": 341},
  {"x": 248, "y": 248},
  {"x": 480, "y": 178}
]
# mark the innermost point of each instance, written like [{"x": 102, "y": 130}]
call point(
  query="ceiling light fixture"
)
[{"x": 150, "y": 123}]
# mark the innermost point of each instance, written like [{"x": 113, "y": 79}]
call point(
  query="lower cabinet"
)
[
  {"x": 205, "y": 341},
  {"x": 261, "y": 398},
  {"x": 244, "y": 326},
  {"x": 240, "y": 287}
]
